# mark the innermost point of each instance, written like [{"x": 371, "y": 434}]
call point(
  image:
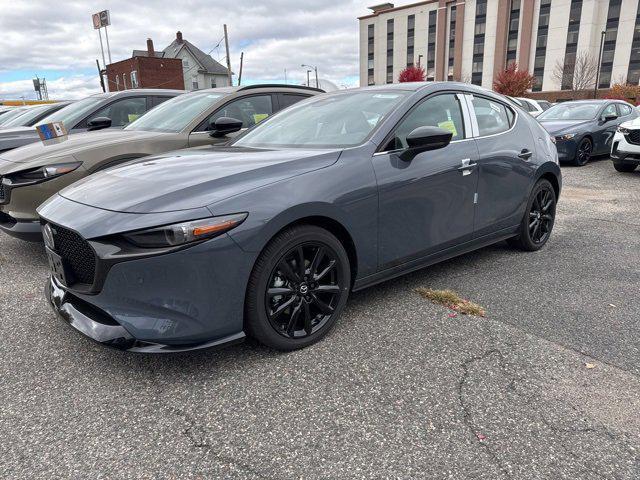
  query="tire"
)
[
  {"x": 529, "y": 239},
  {"x": 583, "y": 153},
  {"x": 624, "y": 167},
  {"x": 313, "y": 302}
]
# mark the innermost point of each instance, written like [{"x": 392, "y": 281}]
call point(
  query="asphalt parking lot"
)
[{"x": 545, "y": 387}]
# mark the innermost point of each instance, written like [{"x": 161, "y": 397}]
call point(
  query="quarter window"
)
[
  {"x": 251, "y": 110},
  {"x": 440, "y": 111},
  {"x": 610, "y": 110},
  {"x": 492, "y": 117}
]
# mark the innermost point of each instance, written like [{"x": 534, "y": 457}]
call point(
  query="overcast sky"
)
[{"x": 56, "y": 40}]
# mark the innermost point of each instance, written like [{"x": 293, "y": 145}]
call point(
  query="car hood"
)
[
  {"x": 635, "y": 123},
  {"x": 40, "y": 153},
  {"x": 193, "y": 178},
  {"x": 555, "y": 127}
]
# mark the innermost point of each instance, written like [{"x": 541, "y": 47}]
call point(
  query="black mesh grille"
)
[
  {"x": 76, "y": 254},
  {"x": 2, "y": 194},
  {"x": 634, "y": 137}
]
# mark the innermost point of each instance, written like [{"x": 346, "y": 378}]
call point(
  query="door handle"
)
[
  {"x": 525, "y": 154},
  {"x": 466, "y": 167}
]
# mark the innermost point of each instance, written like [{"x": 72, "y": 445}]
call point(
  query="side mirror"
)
[
  {"x": 98, "y": 123},
  {"x": 423, "y": 139},
  {"x": 608, "y": 118},
  {"x": 223, "y": 126}
]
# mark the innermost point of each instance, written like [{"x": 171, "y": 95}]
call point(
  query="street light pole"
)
[
  {"x": 308, "y": 72},
  {"x": 595, "y": 89}
]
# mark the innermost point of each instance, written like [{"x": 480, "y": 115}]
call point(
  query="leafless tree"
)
[{"x": 576, "y": 74}]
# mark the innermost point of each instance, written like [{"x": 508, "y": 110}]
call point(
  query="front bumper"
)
[
  {"x": 103, "y": 329},
  {"x": 622, "y": 151},
  {"x": 566, "y": 150},
  {"x": 23, "y": 229}
]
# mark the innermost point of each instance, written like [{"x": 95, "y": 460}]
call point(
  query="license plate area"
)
[{"x": 57, "y": 266}]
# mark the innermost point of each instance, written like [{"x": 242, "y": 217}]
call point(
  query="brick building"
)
[{"x": 145, "y": 69}]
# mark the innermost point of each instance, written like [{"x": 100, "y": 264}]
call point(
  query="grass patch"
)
[{"x": 452, "y": 300}]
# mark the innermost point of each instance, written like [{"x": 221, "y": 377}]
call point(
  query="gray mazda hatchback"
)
[{"x": 268, "y": 235}]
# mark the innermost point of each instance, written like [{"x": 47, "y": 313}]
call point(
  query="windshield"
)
[
  {"x": 174, "y": 115},
  {"x": 10, "y": 115},
  {"x": 72, "y": 114},
  {"x": 571, "y": 111},
  {"x": 27, "y": 116},
  {"x": 338, "y": 120}
]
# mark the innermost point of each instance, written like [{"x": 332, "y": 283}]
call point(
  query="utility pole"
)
[
  {"x": 240, "y": 74},
  {"x": 285, "y": 76},
  {"x": 100, "y": 75},
  {"x": 595, "y": 89},
  {"x": 226, "y": 45},
  {"x": 108, "y": 47}
]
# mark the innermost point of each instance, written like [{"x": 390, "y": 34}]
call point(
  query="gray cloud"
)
[{"x": 274, "y": 34}]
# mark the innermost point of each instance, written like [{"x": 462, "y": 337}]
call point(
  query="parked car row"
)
[{"x": 267, "y": 233}]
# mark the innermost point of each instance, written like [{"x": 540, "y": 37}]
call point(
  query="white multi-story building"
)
[{"x": 473, "y": 40}]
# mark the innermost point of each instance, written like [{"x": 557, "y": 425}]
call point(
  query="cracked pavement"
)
[{"x": 398, "y": 390}]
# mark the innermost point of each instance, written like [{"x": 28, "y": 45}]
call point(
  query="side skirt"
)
[{"x": 434, "y": 258}]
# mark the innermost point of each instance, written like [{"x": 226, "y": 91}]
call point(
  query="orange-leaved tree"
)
[
  {"x": 514, "y": 82},
  {"x": 412, "y": 74},
  {"x": 621, "y": 91}
]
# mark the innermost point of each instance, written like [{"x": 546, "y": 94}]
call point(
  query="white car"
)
[
  {"x": 625, "y": 149},
  {"x": 534, "y": 107}
]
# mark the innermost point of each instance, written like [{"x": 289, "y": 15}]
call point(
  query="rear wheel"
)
[
  {"x": 624, "y": 167},
  {"x": 538, "y": 221},
  {"x": 583, "y": 152},
  {"x": 298, "y": 288}
]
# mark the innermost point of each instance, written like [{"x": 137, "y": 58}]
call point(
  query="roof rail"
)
[{"x": 275, "y": 85}]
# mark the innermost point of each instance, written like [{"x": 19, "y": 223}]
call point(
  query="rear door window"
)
[
  {"x": 287, "y": 99},
  {"x": 492, "y": 117},
  {"x": 624, "y": 109}
]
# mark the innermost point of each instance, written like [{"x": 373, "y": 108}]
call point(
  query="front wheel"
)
[
  {"x": 298, "y": 288},
  {"x": 539, "y": 218},
  {"x": 624, "y": 167},
  {"x": 583, "y": 152}
]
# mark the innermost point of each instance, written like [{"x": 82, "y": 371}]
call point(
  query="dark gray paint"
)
[{"x": 399, "y": 215}]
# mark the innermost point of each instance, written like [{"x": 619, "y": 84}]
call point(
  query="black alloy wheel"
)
[
  {"x": 539, "y": 218},
  {"x": 298, "y": 288},
  {"x": 583, "y": 152}
]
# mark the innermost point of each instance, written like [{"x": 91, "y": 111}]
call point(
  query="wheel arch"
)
[{"x": 550, "y": 172}]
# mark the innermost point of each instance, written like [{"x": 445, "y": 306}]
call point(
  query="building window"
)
[
  {"x": 541, "y": 44},
  {"x": 390, "y": 51},
  {"x": 571, "y": 49},
  {"x": 117, "y": 82},
  {"x": 134, "y": 79},
  {"x": 194, "y": 83},
  {"x": 478, "y": 42},
  {"x": 452, "y": 42},
  {"x": 411, "y": 28},
  {"x": 213, "y": 83},
  {"x": 124, "y": 80},
  {"x": 370, "y": 58},
  {"x": 512, "y": 39},
  {"x": 185, "y": 63},
  {"x": 431, "y": 45},
  {"x": 606, "y": 65},
  {"x": 633, "y": 75}
]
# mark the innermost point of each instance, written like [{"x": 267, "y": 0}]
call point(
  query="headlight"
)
[
  {"x": 187, "y": 232},
  {"x": 42, "y": 173},
  {"x": 623, "y": 130},
  {"x": 566, "y": 136}
]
